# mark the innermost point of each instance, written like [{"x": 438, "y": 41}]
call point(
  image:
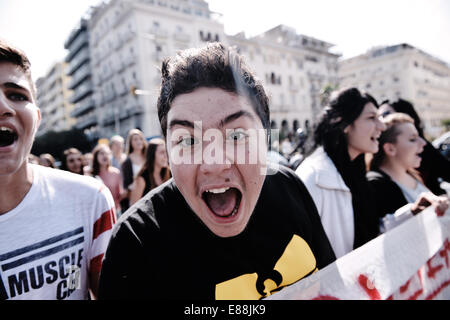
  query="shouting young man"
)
[
  {"x": 227, "y": 226},
  {"x": 54, "y": 225}
]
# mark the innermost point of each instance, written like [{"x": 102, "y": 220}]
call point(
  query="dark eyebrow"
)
[
  {"x": 13, "y": 85},
  {"x": 235, "y": 116},
  {"x": 223, "y": 122},
  {"x": 184, "y": 123}
]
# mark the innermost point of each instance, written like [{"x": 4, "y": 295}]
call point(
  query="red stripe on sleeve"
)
[
  {"x": 104, "y": 223},
  {"x": 96, "y": 264}
]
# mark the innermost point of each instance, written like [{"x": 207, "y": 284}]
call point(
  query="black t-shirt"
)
[{"x": 161, "y": 249}]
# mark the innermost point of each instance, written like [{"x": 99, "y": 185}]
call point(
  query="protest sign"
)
[{"x": 411, "y": 261}]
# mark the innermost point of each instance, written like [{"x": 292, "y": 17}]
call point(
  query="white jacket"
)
[{"x": 333, "y": 200}]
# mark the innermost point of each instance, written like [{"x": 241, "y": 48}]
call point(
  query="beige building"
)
[
  {"x": 294, "y": 69},
  {"x": 403, "y": 71},
  {"x": 128, "y": 41},
  {"x": 53, "y": 99},
  {"x": 130, "y": 38}
]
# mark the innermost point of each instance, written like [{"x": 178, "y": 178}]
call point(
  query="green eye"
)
[
  {"x": 238, "y": 135},
  {"x": 17, "y": 97},
  {"x": 188, "y": 142}
]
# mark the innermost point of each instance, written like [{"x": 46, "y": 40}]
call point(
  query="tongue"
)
[{"x": 222, "y": 204}]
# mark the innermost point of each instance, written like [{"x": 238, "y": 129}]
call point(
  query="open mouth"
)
[
  {"x": 7, "y": 136},
  {"x": 223, "y": 202}
]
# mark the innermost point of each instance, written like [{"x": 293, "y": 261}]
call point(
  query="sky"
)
[{"x": 40, "y": 27}]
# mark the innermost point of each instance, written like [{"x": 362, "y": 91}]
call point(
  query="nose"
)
[
  {"x": 215, "y": 159},
  {"x": 5, "y": 108},
  {"x": 214, "y": 168},
  {"x": 422, "y": 143},
  {"x": 380, "y": 125}
]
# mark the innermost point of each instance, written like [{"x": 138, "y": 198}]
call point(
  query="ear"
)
[
  {"x": 346, "y": 129},
  {"x": 38, "y": 121},
  {"x": 390, "y": 149}
]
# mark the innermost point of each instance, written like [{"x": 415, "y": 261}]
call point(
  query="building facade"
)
[
  {"x": 294, "y": 69},
  {"x": 403, "y": 71},
  {"x": 129, "y": 39},
  {"x": 53, "y": 100},
  {"x": 115, "y": 56},
  {"x": 79, "y": 70}
]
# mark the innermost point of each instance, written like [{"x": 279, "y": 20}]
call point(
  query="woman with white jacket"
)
[{"x": 335, "y": 173}]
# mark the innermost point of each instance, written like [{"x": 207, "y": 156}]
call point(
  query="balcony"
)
[
  {"x": 87, "y": 122},
  {"x": 78, "y": 44},
  {"x": 159, "y": 32},
  {"x": 128, "y": 35},
  {"x": 81, "y": 57},
  {"x": 81, "y": 74},
  {"x": 108, "y": 120},
  {"x": 83, "y": 107},
  {"x": 118, "y": 43},
  {"x": 135, "y": 110},
  {"x": 120, "y": 66},
  {"x": 130, "y": 60},
  {"x": 110, "y": 96},
  {"x": 81, "y": 92},
  {"x": 182, "y": 37}
]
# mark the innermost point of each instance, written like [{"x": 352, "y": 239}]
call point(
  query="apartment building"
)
[
  {"x": 294, "y": 68},
  {"x": 53, "y": 100},
  {"x": 129, "y": 39},
  {"x": 116, "y": 53},
  {"x": 79, "y": 70},
  {"x": 403, "y": 71}
]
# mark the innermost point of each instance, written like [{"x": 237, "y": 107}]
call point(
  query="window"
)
[{"x": 272, "y": 78}]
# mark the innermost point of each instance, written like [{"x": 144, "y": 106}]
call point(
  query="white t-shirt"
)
[{"x": 55, "y": 237}]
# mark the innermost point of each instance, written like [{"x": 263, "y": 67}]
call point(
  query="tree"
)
[
  {"x": 56, "y": 142},
  {"x": 326, "y": 93},
  {"x": 446, "y": 123}
]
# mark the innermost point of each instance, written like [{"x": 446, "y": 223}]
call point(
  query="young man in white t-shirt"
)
[{"x": 54, "y": 225}]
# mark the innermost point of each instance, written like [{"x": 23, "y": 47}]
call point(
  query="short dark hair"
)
[
  {"x": 14, "y": 55},
  {"x": 212, "y": 66},
  {"x": 404, "y": 106}
]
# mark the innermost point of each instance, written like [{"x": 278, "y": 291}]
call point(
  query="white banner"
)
[{"x": 411, "y": 261}]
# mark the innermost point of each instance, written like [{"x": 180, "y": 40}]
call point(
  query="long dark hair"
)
[
  {"x": 129, "y": 146},
  {"x": 95, "y": 163},
  {"x": 404, "y": 106},
  {"x": 344, "y": 108},
  {"x": 66, "y": 154},
  {"x": 148, "y": 167}
]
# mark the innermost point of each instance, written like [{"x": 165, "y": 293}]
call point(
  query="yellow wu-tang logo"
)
[{"x": 296, "y": 262}]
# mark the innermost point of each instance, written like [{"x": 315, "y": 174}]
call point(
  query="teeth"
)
[
  {"x": 219, "y": 190},
  {"x": 6, "y": 129}
]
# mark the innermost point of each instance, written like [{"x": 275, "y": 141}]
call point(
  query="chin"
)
[{"x": 227, "y": 231}]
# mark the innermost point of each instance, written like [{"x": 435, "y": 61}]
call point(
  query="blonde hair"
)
[{"x": 390, "y": 135}]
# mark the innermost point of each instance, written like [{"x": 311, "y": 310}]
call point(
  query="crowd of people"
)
[
  {"x": 128, "y": 174},
  {"x": 212, "y": 225}
]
